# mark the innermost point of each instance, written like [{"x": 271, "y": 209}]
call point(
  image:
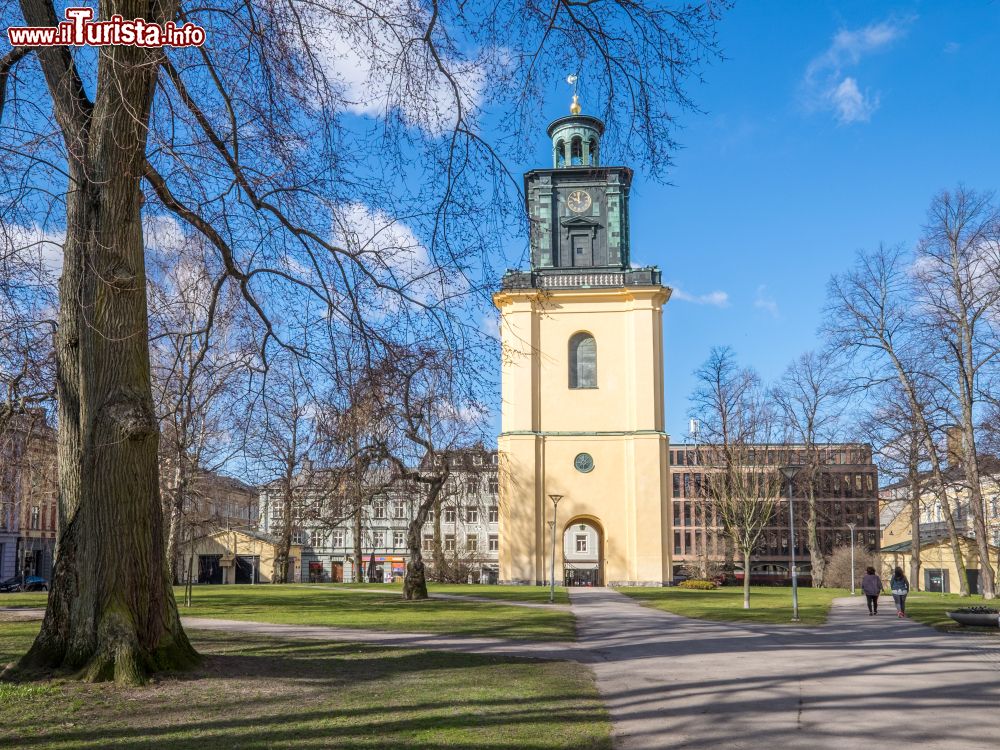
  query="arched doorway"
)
[{"x": 583, "y": 553}]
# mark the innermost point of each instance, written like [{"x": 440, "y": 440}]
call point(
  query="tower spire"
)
[{"x": 574, "y": 108}]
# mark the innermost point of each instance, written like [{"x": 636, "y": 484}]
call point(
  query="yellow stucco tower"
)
[{"x": 582, "y": 382}]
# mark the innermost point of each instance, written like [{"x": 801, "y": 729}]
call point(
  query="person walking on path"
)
[
  {"x": 899, "y": 587},
  {"x": 871, "y": 584}
]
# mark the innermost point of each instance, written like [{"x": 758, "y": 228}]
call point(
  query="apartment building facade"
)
[
  {"x": 28, "y": 495},
  {"x": 325, "y": 525}
]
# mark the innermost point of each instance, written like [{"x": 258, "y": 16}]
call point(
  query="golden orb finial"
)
[{"x": 575, "y": 108}]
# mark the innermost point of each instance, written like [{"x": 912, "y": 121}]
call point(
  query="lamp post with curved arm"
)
[{"x": 552, "y": 571}]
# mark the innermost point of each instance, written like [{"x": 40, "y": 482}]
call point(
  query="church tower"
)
[{"x": 582, "y": 382}]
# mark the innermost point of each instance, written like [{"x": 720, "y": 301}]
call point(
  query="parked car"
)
[{"x": 23, "y": 583}]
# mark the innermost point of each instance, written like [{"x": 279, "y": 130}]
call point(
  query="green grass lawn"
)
[
  {"x": 253, "y": 692},
  {"x": 930, "y": 609},
  {"x": 535, "y": 594},
  {"x": 310, "y": 604},
  {"x": 23, "y": 600},
  {"x": 767, "y": 604}
]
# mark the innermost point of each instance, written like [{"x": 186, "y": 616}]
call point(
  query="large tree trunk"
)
[
  {"x": 358, "y": 560},
  {"x": 177, "y": 495},
  {"x": 987, "y": 577},
  {"x": 812, "y": 534},
  {"x": 913, "y": 470},
  {"x": 746, "y": 579},
  {"x": 415, "y": 583},
  {"x": 111, "y": 612},
  {"x": 283, "y": 552}
]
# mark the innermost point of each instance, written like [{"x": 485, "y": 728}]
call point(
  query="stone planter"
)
[{"x": 979, "y": 619}]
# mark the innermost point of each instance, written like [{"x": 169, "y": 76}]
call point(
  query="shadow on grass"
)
[{"x": 257, "y": 692}]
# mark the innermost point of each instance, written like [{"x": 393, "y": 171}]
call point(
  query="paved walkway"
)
[
  {"x": 673, "y": 682},
  {"x": 856, "y": 682}
]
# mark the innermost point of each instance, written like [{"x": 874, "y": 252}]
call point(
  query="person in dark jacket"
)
[
  {"x": 899, "y": 587},
  {"x": 871, "y": 584}
]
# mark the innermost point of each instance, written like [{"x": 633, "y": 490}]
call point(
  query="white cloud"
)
[
  {"x": 383, "y": 65},
  {"x": 826, "y": 86},
  {"x": 33, "y": 250},
  {"x": 717, "y": 298},
  {"x": 764, "y": 301},
  {"x": 850, "y": 104}
]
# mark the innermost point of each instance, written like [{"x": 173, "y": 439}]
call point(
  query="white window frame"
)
[{"x": 582, "y": 544}]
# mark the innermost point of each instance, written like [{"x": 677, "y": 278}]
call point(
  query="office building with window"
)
[{"x": 845, "y": 491}]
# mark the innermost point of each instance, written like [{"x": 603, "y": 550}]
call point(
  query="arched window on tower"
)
[
  {"x": 593, "y": 153},
  {"x": 576, "y": 157},
  {"x": 582, "y": 361},
  {"x": 560, "y": 153}
]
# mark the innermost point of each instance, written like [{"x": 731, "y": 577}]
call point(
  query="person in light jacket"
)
[
  {"x": 871, "y": 584},
  {"x": 899, "y": 587}
]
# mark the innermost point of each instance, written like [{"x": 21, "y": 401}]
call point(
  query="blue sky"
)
[{"x": 827, "y": 129}]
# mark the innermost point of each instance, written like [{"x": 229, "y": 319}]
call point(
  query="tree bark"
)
[
  {"x": 913, "y": 471},
  {"x": 812, "y": 531},
  {"x": 746, "y": 579},
  {"x": 111, "y": 612}
]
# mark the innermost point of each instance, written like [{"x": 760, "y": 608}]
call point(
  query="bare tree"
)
[
  {"x": 870, "y": 317},
  {"x": 899, "y": 449},
  {"x": 810, "y": 398},
  {"x": 200, "y": 354},
  {"x": 957, "y": 273},
  {"x": 737, "y": 425},
  {"x": 266, "y": 166}
]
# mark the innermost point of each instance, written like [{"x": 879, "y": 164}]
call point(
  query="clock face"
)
[{"x": 578, "y": 201}]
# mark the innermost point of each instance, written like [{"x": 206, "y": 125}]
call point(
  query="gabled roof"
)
[{"x": 928, "y": 540}]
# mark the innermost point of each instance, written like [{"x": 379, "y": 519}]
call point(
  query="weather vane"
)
[{"x": 574, "y": 108}]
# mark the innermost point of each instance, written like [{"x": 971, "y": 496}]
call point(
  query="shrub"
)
[
  {"x": 838, "y": 566},
  {"x": 699, "y": 584}
]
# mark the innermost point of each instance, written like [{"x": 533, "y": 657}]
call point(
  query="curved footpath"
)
[
  {"x": 856, "y": 682},
  {"x": 674, "y": 682}
]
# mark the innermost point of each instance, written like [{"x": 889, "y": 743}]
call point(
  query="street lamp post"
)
[
  {"x": 852, "y": 525},
  {"x": 552, "y": 531},
  {"x": 552, "y": 570},
  {"x": 790, "y": 472}
]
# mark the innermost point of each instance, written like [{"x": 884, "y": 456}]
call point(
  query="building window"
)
[
  {"x": 378, "y": 538},
  {"x": 494, "y": 543},
  {"x": 472, "y": 514},
  {"x": 477, "y": 460},
  {"x": 397, "y": 540},
  {"x": 338, "y": 537},
  {"x": 582, "y": 361},
  {"x": 378, "y": 509},
  {"x": 471, "y": 542},
  {"x": 494, "y": 514},
  {"x": 315, "y": 538},
  {"x": 449, "y": 542},
  {"x": 677, "y": 485},
  {"x": 493, "y": 459},
  {"x": 296, "y": 537},
  {"x": 430, "y": 516},
  {"x": 449, "y": 515},
  {"x": 494, "y": 486},
  {"x": 472, "y": 486},
  {"x": 428, "y": 545},
  {"x": 35, "y": 512},
  {"x": 399, "y": 509},
  {"x": 581, "y": 542}
]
